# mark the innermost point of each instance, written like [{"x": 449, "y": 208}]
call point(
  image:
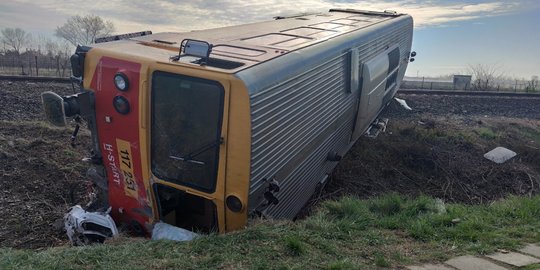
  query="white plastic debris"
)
[
  {"x": 500, "y": 155},
  {"x": 165, "y": 231},
  {"x": 403, "y": 103},
  {"x": 84, "y": 227},
  {"x": 440, "y": 207}
]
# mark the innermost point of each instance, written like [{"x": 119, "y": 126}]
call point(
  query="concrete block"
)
[
  {"x": 531, "y": 249},
  {"x": 429, "y": 267},
  {"x": 514, "y": 258},
  {"x": 500, "y": 155},
  {"x": 473, "y": 263}
]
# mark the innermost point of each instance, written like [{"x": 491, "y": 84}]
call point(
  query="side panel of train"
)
[{"x": 310, "y": 106}]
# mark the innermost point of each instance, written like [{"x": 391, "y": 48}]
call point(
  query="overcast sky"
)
[{"x": 449, "y": 35}]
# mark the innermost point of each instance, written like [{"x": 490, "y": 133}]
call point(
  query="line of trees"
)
[
  {"x": 24, "y": 54},
  {"x": 490, "y": 77}
]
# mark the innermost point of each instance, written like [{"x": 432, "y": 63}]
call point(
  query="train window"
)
[
  {"x": 186, "y": 129},
  {"x": 393, "y": 68}
]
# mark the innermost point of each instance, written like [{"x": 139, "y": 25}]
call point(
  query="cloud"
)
[{"x": 170, "y": 15}]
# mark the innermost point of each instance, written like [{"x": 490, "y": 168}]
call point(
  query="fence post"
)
[
  {"x": 58, "y": 65},
  {"x": 37, "y": 68},
  {"x": 422, "y": 83}
]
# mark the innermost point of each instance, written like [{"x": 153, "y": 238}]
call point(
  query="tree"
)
[
  {"x": 532, "y": 84},
  {"x": 15, "y": 38},
  {"x": 485, "y": 77},
  {"x": 80, "y": 30}
]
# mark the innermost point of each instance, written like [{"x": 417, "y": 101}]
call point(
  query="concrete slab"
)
[
  {"x": 500, "y": 155},
  {"x": 514, "y": 258},
  {"x": 429, "y": 267},
  {"x": 531, "y": 249},
  {"x": 473, "y": 263}
]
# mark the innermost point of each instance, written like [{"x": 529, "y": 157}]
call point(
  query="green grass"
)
[
  {"x": 535, "y": 266},
  {"x": 533, "y": 134},
  {"x": 384, "y": 232},
  {"x": 487, "y": 133}
]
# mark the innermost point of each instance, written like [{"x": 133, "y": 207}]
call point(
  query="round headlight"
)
[
  {"x": 234, "y": 203},
  {"x": 121, "y": 104},
  {"x": 121, "y": 81}
]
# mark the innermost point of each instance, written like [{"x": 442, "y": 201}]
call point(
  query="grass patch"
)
[
  {"x": 533, "y": 134},
  {"x": 380, "y": 261},
  {"x": 486, "y": 133},
  {"x": 294, "y": 246},
  {"x": 343, "y": 234}
]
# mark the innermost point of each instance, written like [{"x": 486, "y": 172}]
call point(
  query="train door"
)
[
  {"x": 187, "y": 150},
  {"x": 377, "y": 82}
]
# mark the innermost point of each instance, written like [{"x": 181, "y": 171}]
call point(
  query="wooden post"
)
[
  {"x": 58, "y": 65},
  {"x": 29, "y": 66},
  {"x": 37, "y": 68}
]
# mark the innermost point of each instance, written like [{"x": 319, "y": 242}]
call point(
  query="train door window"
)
[
  {"x": 187, "y": 114},
  {"x": 181, "y": 209},
  {"x": 393, "y": 68}
]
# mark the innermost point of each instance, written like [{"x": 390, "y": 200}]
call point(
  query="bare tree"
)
[
  {"x": 80, "y": 30},
  {"x": 15, "y": 38},
  {"x": 532, "y": 84},
  {"x": 485, "y": 76}
]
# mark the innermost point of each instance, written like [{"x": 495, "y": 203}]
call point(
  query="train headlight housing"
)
[
  {"x": 234, "y": 203},
  {"x": 121, "y": 81},
  {"x": 121, "y": 104}
]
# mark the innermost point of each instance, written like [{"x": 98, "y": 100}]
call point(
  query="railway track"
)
[{"x": 401, "y": 91}]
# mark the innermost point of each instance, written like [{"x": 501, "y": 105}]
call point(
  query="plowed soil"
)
[{"x": 436, "y": 149}]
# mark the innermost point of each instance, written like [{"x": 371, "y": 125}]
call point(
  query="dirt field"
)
[
  {"x": 436, "y": 149},
  {"x": 41, "y": 174}
]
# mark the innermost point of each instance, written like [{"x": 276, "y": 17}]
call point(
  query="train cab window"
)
[{"x": 186, "y": 129}]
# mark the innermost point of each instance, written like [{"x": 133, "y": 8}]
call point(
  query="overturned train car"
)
[{"x": 202, "y": 130}]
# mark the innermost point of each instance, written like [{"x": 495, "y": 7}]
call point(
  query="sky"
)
[{"x": 449, "y": 36}]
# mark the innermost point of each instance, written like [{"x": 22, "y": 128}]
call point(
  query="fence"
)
[
  {"x": 507, "y": 85},
  {"x": 34, "y": 63}
]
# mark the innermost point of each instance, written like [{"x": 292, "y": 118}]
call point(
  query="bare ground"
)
[
  {"x": 41, "y": 174},
  {"x": 436, "y": 149}
]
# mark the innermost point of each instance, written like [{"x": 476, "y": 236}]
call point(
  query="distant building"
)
[{"x": 462, "y": 82}]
